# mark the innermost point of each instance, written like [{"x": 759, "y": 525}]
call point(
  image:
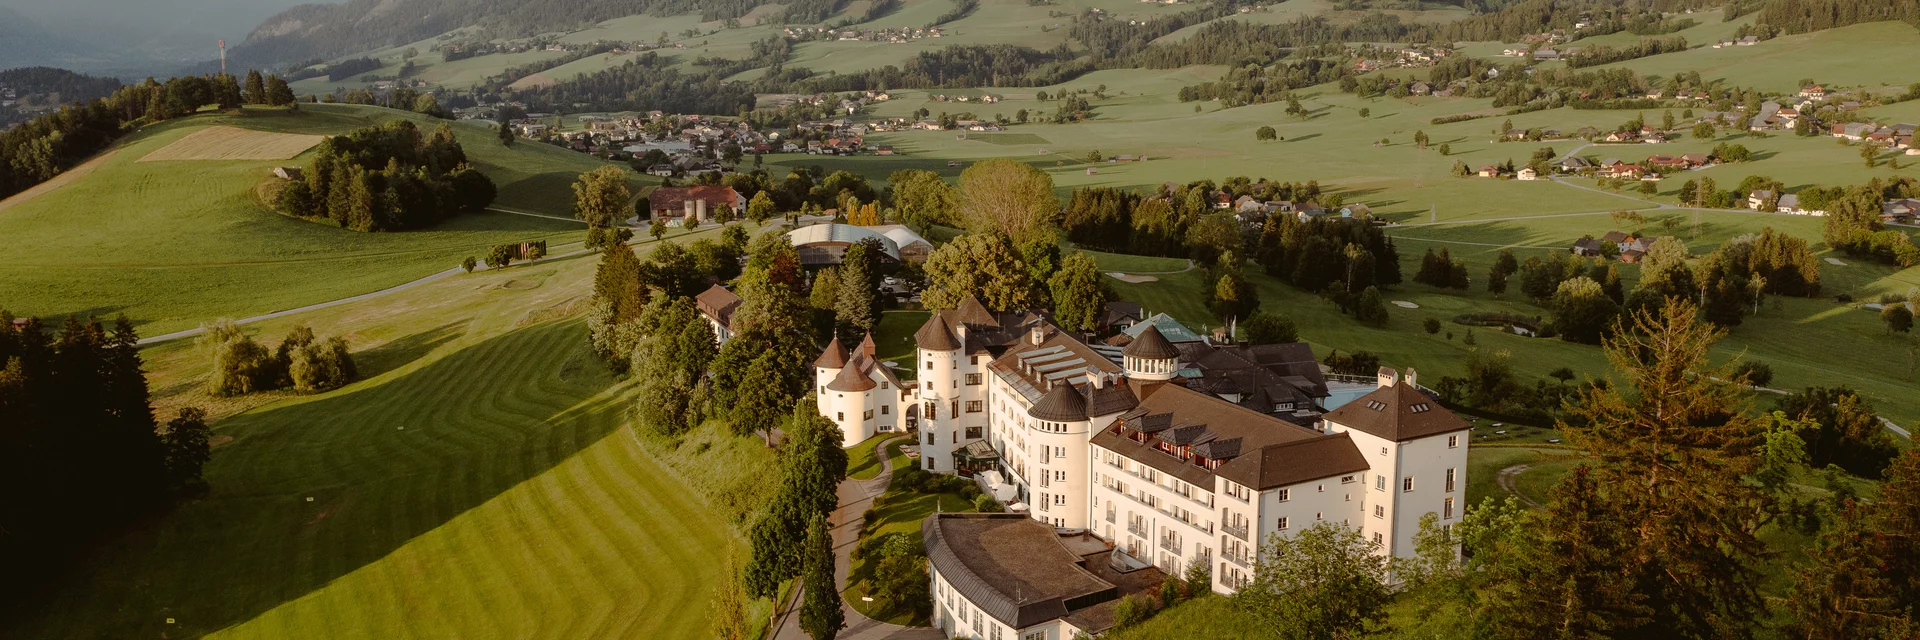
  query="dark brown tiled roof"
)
[
  {"x": 1150, "y": 344},
  {"x": 1171, "y": 407},
  {"x": 834, "y": 357},
  {"x": 854, "y": 376},
  {"x": 1111, "y": 399},
  {"x": 718, "y": 303},
  {"x": 1063, "y": 404},
  {"x": 1295, "y": 462},
  {"x": 936, "y": 334},
  {"x": 1011, "y": 567},
  {"x": 971, "y": 311},
  {"x": 1398, "y": 413}
]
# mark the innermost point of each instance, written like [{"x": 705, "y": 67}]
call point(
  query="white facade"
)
[
  {"x": 955, "y": 617},
  {"x": 1169, "y": 475}
]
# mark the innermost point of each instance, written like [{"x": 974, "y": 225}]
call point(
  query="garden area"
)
[{"x": 888, "y": 579}]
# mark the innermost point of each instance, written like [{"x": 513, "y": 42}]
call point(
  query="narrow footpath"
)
[{"x": 855, "y": 497}]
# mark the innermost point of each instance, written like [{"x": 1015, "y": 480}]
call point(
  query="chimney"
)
[
  {"x": 1098, "y": 379},
  {"x": 1038, "y": 334},
  {"x": 1388, "y": 377},
  {"x": 1410, "y": 378}
]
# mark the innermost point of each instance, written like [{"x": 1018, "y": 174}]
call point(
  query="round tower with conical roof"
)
[
  {"x": 940, "y": 350},
  {"x": 1150, "y": 357},
  {"x": 825, "y": 369}
]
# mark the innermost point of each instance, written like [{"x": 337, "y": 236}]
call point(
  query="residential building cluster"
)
[{"x": 1127, "y": 459}]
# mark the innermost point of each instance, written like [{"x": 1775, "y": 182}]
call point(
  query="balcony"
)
[
  {"x": 1237, "y": 561},
  {"x": 1170, "y": 546},
  {"x": 1237, "y": 532},
  {"x": 1110, "y": 519},
  {"x": 1139, "y": 530}
]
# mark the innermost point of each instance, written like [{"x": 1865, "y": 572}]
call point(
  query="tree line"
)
[
  {"x": 302, "y": 361},
  {"x": 81, "y": 452},
  {"x": 41, "y": 148},
  {"x": 388, "y": 177}
]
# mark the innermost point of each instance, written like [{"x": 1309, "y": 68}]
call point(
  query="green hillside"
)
[
  {"x": 178, "y": 243},
  {"x": 480, "y": 482}
]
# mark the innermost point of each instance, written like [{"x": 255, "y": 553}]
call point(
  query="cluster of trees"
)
[
  {"x": 388, "y": 178},
  {"x": 1442, "y": 270},
  {"x": 847, "y": 298},
  {"x": 37, "y": 84},
  {"x": 1659, "y": 534},
  {"x": 791, "y": 539},
  {"x": 1801, "y": 16},
  {"x": 1328, "y": 254},
  {"x": 81, "y": 452},
  {"x": 1853, "y": 221},
  {"x": 1601, "y": 54},
  {"x": 303, "y": 362},
  {"x": 1260, "y": 85}
]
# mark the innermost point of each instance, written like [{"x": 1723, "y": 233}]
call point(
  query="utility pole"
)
[{"x": 223, "y": 57}]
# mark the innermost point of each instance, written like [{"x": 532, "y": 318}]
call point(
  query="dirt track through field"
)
[
  {"x": 65, "y": 177},
  {"x": 234, "y": 143}
]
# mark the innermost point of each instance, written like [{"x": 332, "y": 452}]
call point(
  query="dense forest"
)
[
  {"x": 47, "y": 84},
  {"x": 81, "y": 452},
  {"x": 388, "y": 178},
  {"x": 1801, "y": 16}
]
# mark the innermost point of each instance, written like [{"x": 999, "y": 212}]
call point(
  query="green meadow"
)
[
  {"x": 480, "y": 481},
  {"x": 177, "y": 243}
]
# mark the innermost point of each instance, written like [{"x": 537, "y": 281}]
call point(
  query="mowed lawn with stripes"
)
[{"x": 488, "y": 489}]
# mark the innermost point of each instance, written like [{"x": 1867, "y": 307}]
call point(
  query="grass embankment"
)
[
  {"x": 863, "y": 462},
  {"x": 480, "y": 481},
  {"x": 174, "y": 244}
]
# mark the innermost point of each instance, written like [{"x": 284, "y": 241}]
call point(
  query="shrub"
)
[
  {"x": 1756, "y": 373},
  {"x": 1432, "y": 325},
  {"x": 984, "y": 503},
  {"x": 469, "y": 264}
]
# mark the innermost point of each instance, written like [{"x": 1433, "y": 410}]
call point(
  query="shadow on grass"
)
[
  {"x": 396, "y": 353},
  {"x": 312, "y": 491}
]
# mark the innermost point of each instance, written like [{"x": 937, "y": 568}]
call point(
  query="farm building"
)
[{"x": 693, "y": 202}]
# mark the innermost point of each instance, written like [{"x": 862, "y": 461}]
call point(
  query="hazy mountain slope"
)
[{"x": 327, "y": 31}]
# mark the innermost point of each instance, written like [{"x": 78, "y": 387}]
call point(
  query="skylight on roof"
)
[
  {"x": 1376, "y": 405},
  {"x": 1421, "y": 407}
]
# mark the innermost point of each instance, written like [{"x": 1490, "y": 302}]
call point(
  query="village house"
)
[
  {"x": 693, "y": 203},
  {"x": 1120, "y": 444},
  {"x": 1488, "y": 171},
  {"x": 717, "y": 305},
  {"x": 1527, "y": 173}
]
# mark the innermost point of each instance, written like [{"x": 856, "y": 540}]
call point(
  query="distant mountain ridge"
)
[{"x": 331, "y": 30}]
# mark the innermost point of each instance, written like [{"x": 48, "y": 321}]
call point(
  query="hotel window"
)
[
  {"x": 1449, "y": 480},
  {"x": 885, "y": 410},
  {"x": 973, "y": 379},
  {"x": 1319, "y": 488},
  {"x": 1380, "y": 483},
  {"x": 1346, "y": 480},
  {"x": 1453, "y": 442},
  {"x": 1036, "y": 635},
  {"x": 1060, "y": 499},
  {"x": 1379, "y": 539},
  {"x": 973, "y": 360},
  {"x": 1406, "y": 484},
  {"x": 1383, "y": 451},
  {"x": 1059, "y": 476},
  {"x": 839, "y": 416},
  {"x": 973, "y": 433},
  {"x": 1379, "y": 511},
  {"x": 1448, "y": 513},
  {"x": 929, "y": 364},
  {"x": 1286, "y": 494},
  {"x": 868, "y": 415},
  {"x": 1318, "y": 516},
  {"x": 1283, "y": 523},
  {"x": 974, "y": 406}
]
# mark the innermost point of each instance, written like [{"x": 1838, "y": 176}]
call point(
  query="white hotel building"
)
[{"x": 1127, "y": 452}]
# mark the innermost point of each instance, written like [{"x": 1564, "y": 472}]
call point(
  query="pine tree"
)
[
  {"x": 820, "y": 614},
  {"x": 256, "y": 88},
  {"x": 857, "y": 303}
]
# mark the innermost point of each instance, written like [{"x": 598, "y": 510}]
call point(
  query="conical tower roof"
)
[
  {"x": 936, "y": 334},
  {"x": 1150, "y": 345},
  {"x": 1063, "y": 404},
  {"x": 834, "y": 357}
]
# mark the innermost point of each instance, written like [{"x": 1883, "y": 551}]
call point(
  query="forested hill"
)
[{"x": 331, "y": 30}]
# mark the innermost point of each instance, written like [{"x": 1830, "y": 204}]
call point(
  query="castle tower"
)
[
  {"x": 825, "y": 369},
  {"x": 1150, "y": 357},
  {"x": 939, "y": 361}
]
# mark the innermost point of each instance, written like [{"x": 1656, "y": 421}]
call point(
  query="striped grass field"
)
[{"x": 486, "y": 490}]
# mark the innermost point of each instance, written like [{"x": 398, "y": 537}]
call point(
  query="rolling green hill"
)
[
  {"x": 178, "y": 243},
  {"x": 481, "y": 481}
]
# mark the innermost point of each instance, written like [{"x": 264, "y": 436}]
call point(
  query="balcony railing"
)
[
  {"x": 1237, "y": 532},
  {"x": 1170, "y": 546},
  {"x": 1110, "y": 519},
  {"x": 1138, "y": 530},
  {"x": 1238, "y": 561}
]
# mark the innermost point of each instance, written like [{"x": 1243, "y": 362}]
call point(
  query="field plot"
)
[{"x": 221, "y": 142}]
